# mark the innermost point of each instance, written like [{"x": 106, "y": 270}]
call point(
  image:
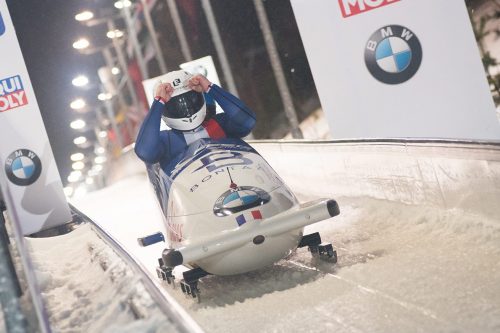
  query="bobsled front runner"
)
[{"x": 228, "y": 212}]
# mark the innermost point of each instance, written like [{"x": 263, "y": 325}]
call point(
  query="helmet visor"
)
[{"x": 184, "y": 105}]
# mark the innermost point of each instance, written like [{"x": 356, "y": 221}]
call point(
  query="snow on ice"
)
[{"x": 87, "y": 288}]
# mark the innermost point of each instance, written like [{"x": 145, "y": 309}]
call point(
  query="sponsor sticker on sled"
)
[
  {"x": 12, "y": 94},
  {"x": 248, "y": 216},
  {"x": 174, "y": 232},
  {"x": 355, "y": 7}
]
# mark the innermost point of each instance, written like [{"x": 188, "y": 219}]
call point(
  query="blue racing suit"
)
[{"x": 155, "y": 146}]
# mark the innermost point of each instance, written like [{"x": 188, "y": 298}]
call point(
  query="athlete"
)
[{"x": 186, "y": 104}]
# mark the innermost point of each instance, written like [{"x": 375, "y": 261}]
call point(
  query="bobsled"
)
[{"x": 228, "y": 212}]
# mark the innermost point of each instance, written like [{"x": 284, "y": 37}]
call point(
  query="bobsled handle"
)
[{"x": 289, "y": 220}]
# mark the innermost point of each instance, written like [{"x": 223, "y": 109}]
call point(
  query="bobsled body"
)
[
  {"x": 226, "y": 210},
  {"x": 215, "y": 187}
]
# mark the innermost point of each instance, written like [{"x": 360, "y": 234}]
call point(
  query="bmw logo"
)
[
  {"x": 393, "y": 54},
  {"x": 239, "y": 199},
  {"x": 23, "y": 167}
]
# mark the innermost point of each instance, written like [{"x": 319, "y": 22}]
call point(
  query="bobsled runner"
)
[{"x": 228, "y": 212}]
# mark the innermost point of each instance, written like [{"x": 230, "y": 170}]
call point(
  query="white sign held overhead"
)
[
  {"x": 29, "y": 178},
  {"x": 204, "y": 66},
  {"x": 397, "y": 68}
]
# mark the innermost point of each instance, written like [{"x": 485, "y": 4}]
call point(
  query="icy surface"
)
[
  {"x": 402, "y": 268},
  {"x": 87, "y": 288}
]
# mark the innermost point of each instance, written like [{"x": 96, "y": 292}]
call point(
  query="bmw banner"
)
[
  {"x": 397, "y": 68},
  {"x": 29, "y": 178}
]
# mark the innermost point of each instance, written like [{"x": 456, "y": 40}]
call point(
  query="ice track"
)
[
  {"x": 419, "y": 252},
  {"x": 395, "y": 274}
]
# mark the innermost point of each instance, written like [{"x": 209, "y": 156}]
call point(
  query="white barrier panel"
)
[
  {"x": 29, "y": 177},
  {"x": 445, "y": 174},
  {"x": 438, "y": 174},
  {"x": 397, "y": 68}
]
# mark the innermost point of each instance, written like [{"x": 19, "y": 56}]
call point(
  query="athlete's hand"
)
[
  {"x": 199, "y": 83},
  {"x": 165, "y": 91}
]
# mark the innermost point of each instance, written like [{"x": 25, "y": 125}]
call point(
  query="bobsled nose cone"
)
[
  {"x": 333, "y": 208},
  {"x": 172, "y": 258}
]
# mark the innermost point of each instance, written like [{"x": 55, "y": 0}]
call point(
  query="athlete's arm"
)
[
  {"x": 238, "y": 119},
  {"x": 148, "y": 145}
]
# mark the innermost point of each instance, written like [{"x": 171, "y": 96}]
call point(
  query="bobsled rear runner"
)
[{"x": 228, "y": 212}]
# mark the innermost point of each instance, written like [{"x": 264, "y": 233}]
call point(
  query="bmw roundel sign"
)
[
  {"x": 393, "y": 54},
  {"x": 23, "y": 167}
]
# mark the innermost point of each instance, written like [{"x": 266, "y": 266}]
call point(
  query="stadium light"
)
[
  {"x": 74, "y": 176},
  {"x": 122, "y": 4},
  {"x": 80, "y": 81},
  {"x": 104, "y": 96},
  {"x": 68, "y": 191},
  {"x": 81, "y": 44},
  {"x": 84, "y": 16},
  {"x": 114, "y": 34},
  {"x": 80, "y": 140},
  {"x": 100, "y": 159},
  {"x": 78, "y": 104},
  {"x": 77, "y": 157},
  {"x": 78, "y": 165},
  {"x": 77, "y": 124},
  {"x": 96, "y": 169},
  {"x": 115, "y": 71}
]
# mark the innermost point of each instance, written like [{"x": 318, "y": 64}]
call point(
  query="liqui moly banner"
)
[
  {"x": 354, "y": 7},
  {"x": 397, "y": 68},
  {"x": 12, "y": 94},
  {"x": 29, "y": 178}
]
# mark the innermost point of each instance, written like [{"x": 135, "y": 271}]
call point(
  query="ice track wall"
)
[{"x": 448, "y": 174}]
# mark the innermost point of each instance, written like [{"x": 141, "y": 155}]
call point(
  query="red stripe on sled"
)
[{"x": 256, "y": 214}]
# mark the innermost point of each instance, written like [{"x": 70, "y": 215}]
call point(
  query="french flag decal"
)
[{"x": 248, "y": 216}]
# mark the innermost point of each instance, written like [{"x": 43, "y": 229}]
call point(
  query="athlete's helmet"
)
[{"x": 186, "y": 108}]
